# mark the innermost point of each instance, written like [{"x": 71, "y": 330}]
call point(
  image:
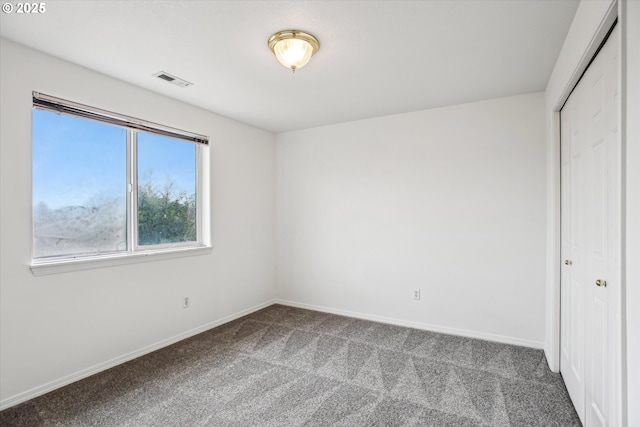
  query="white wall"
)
[
  {"x": 450, "y": 200},
  {"x": 57, "y": 328},
  {"x": 631, "y": 272}
]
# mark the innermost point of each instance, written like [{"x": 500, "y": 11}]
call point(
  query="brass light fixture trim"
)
[{"x": 279, "y": 45}]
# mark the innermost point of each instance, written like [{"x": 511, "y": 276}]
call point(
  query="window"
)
[{"x": 109, "y": 187}]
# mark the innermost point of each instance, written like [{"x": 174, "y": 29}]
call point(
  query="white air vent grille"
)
[{"x": 172, "y": 79}]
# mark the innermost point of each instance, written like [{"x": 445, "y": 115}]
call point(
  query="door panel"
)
[
  {"x": 596, "y": 395},
  {"x": 572, "y": 337}
]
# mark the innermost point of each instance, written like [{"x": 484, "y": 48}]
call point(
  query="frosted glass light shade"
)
[
  {"x": 293, "y": 53},
  {"x": 293, "y": 48}
]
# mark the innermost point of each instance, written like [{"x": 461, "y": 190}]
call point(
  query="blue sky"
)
[
  {"x": 78, "y": 162},
  {"x": 169, "y": 160}
]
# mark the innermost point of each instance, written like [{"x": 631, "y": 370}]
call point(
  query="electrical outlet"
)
[
  {"x": 186, "y": 303},
  {"x": 416, "y": 294}
]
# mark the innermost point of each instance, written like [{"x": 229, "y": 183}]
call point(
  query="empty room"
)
[{"x": 330, "y": 213}]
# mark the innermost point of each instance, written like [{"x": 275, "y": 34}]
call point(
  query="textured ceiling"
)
[{"x": 376, "y": 57}]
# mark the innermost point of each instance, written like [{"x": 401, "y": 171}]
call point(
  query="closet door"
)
[
  {"x": 573, "y": 229},
  {"x": 590, "y": 173},
  {"x": 603, "y": 263}
]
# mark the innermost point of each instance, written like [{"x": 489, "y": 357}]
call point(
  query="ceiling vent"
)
[{"x": 172, "y": 79}]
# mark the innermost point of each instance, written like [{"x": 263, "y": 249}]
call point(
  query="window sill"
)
[{"x": 41, "y": 268}]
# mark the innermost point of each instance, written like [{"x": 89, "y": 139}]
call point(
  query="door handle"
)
[
  {"x": 601, "y": 282},
  {"x": 567, "y": 262}
]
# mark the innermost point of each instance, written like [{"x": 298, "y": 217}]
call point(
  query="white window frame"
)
[{"x": 135, "y": 253}]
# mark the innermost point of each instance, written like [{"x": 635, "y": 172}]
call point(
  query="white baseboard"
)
[
  {"x": 416, "y": 325},
  {"x": 71, "y": 378}
]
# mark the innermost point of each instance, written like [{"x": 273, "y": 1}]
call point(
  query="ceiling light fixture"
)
[{"x": 293, "y": 48}]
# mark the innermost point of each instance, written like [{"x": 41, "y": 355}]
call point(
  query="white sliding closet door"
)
[{"x": 590, "y": 278}]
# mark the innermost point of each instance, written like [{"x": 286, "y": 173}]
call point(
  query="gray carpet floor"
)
[{"x": 284, "y": 366}]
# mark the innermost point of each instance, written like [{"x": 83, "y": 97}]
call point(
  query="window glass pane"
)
[
  {"x": 79, "y": 186},
  {"x": 166, "y": 190}
]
